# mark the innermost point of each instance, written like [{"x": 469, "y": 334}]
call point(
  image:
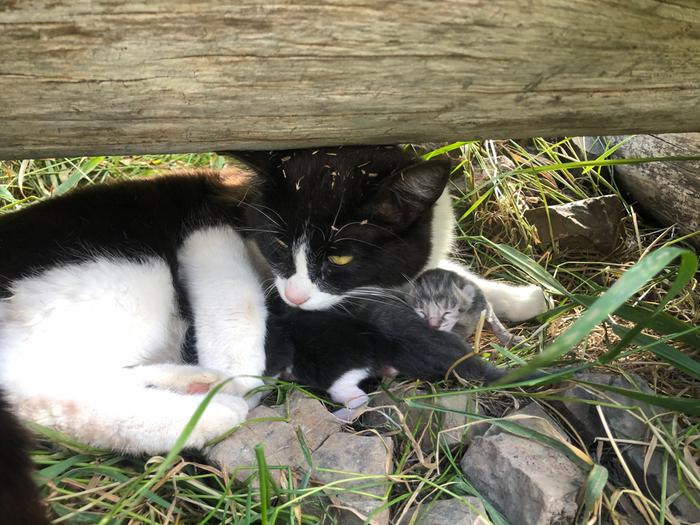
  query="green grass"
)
[{"x": 636, "y": 311}]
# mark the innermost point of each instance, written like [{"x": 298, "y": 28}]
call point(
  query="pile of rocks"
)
[{"x": 519, "y": 463}]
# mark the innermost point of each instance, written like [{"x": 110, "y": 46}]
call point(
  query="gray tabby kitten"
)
[{"x": 450, "y": 302}]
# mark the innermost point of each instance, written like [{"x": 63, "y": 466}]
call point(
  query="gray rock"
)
[
  {"x": 312, "y": 418},
  {"x": 425, "y": 423},
  {"x": 530, "y": 483},
  {"x": 384, "y": 407},
  {"x": 278, "y": 438},
  {"x": 584, "y": 416},
  {"x": 682, "y": 507},
  {"x": 346, "y": 454},
  {"x": 581, "y": 226},
  {"x": 447, "y": 512},
  {"x": 539, "y": 421},
  {"x": 460, "y": 412},
  {"x": 624, "y": 425}
]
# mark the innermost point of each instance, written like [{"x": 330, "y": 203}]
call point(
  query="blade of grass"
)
[
  {"x": 681, "y": 404},
  {"x": 630, "y": 282},
  {"x": 666, "y": 352},
  {"x": 661, "y": 322},
  {"x": 527, "y": 265}
]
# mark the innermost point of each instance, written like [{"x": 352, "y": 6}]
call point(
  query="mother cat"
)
[{"x": 102, "y": 291}]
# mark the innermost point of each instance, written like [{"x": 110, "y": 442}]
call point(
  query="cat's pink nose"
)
[
  {"x": 295, "y": 295},
  {"x": 434, "y": 322}
]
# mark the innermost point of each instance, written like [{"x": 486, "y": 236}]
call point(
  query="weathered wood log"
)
[
  {"x": 81, "y": 77},
  {"x": 667, "y": 192}
]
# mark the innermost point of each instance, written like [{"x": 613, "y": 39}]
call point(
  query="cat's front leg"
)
[{"x": 228, "y": 305}]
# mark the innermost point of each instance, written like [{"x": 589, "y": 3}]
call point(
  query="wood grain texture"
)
[
  {"x": 80, "y": 77},
  {"x": 669, "y": 192}
]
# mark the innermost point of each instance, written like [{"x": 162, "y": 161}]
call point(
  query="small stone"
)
[
  {"x": 581, "y": 226},
  {"x": 314, "y": 420},
  {"x": 624, "y": 425},
  {"x": 652, "y": 475},
  {"x": 460, "y": 412},
  {"x": 448, "y": 512},
  {"x": 278, "y": 438},
  {"x": 346, "y": 454},
  {"x": 426, "y": 423},
  {"x": 384, "y": 408},
  {"x": 539, "y": 421},
  {"x": 528, "y": 482},
  {"x": 584, "y": 416}
]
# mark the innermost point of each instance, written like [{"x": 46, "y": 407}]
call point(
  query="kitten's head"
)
[
  {"x": 441, "y": 297},
  {"x": 332, "y": 220}
]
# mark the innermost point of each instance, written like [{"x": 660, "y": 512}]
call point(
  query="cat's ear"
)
[
  {"x": 409, "y": 192},
  {"x": 261, "y": 161}
]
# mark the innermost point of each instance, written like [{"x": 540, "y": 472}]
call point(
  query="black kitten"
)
[{"x": 336, "y": 351}]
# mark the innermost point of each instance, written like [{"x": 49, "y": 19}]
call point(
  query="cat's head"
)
[
  {"x": 332, "y": 220},
  {"x": 441, "y": 297}
]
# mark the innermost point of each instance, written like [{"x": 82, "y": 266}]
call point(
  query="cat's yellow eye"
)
[
  {"x": 280, "y": 242},
  {"x": 340, "y": 260}
]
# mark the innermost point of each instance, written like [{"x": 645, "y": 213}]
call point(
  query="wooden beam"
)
[{"x": 85, "y": 77}]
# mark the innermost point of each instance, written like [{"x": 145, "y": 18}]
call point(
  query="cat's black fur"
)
[
  {"x": 19, "y": 496},
  {"x": 380, "y": 196},
  {"x": 129, "y": 219}
]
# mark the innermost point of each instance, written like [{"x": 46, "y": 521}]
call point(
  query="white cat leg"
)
[
  {"x": 121, "y": 416},
  {"x": 184, "y": 379},
  {"x": 68, "y": 338},
  {"x": 228, "y": 304},
  {"x": 515, "y": 303}
]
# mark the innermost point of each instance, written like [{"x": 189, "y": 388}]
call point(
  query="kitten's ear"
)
[
  {"x": 468, "y": 292},
  {"x": 410, "y": 192},
  {"x": 260, "y": 161}
]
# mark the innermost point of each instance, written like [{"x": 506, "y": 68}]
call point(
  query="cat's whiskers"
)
[
  {"x": 323, "y": 234},
  {"x": 367, "y": 299},
  {"x": 370, "y": 225},
  {"x": 259, "y": 208},
  {"x": 378, "y": 295},
  {"x": 259, "y": 230},
  {"x": 268, "y": 289},
  {"x": 353, "y": 239}
]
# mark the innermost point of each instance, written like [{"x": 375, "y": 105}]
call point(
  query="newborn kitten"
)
[{"x": 450, "y": 302}]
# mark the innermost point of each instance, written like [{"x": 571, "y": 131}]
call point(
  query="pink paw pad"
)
[{"x": 198, "y": 388}]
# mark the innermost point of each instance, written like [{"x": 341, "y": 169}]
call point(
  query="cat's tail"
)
[{"x": 19, "y": 496}]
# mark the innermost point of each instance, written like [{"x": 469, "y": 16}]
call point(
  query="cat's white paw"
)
[
  {"x": 240, "y": 386},
  {"x": 523, "y": 302},
  {"x": 222, "y": 414},
  {"x": 183, "y": 379}
]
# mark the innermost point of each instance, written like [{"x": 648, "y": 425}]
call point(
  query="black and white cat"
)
[{"x": 105, "y": 290}]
